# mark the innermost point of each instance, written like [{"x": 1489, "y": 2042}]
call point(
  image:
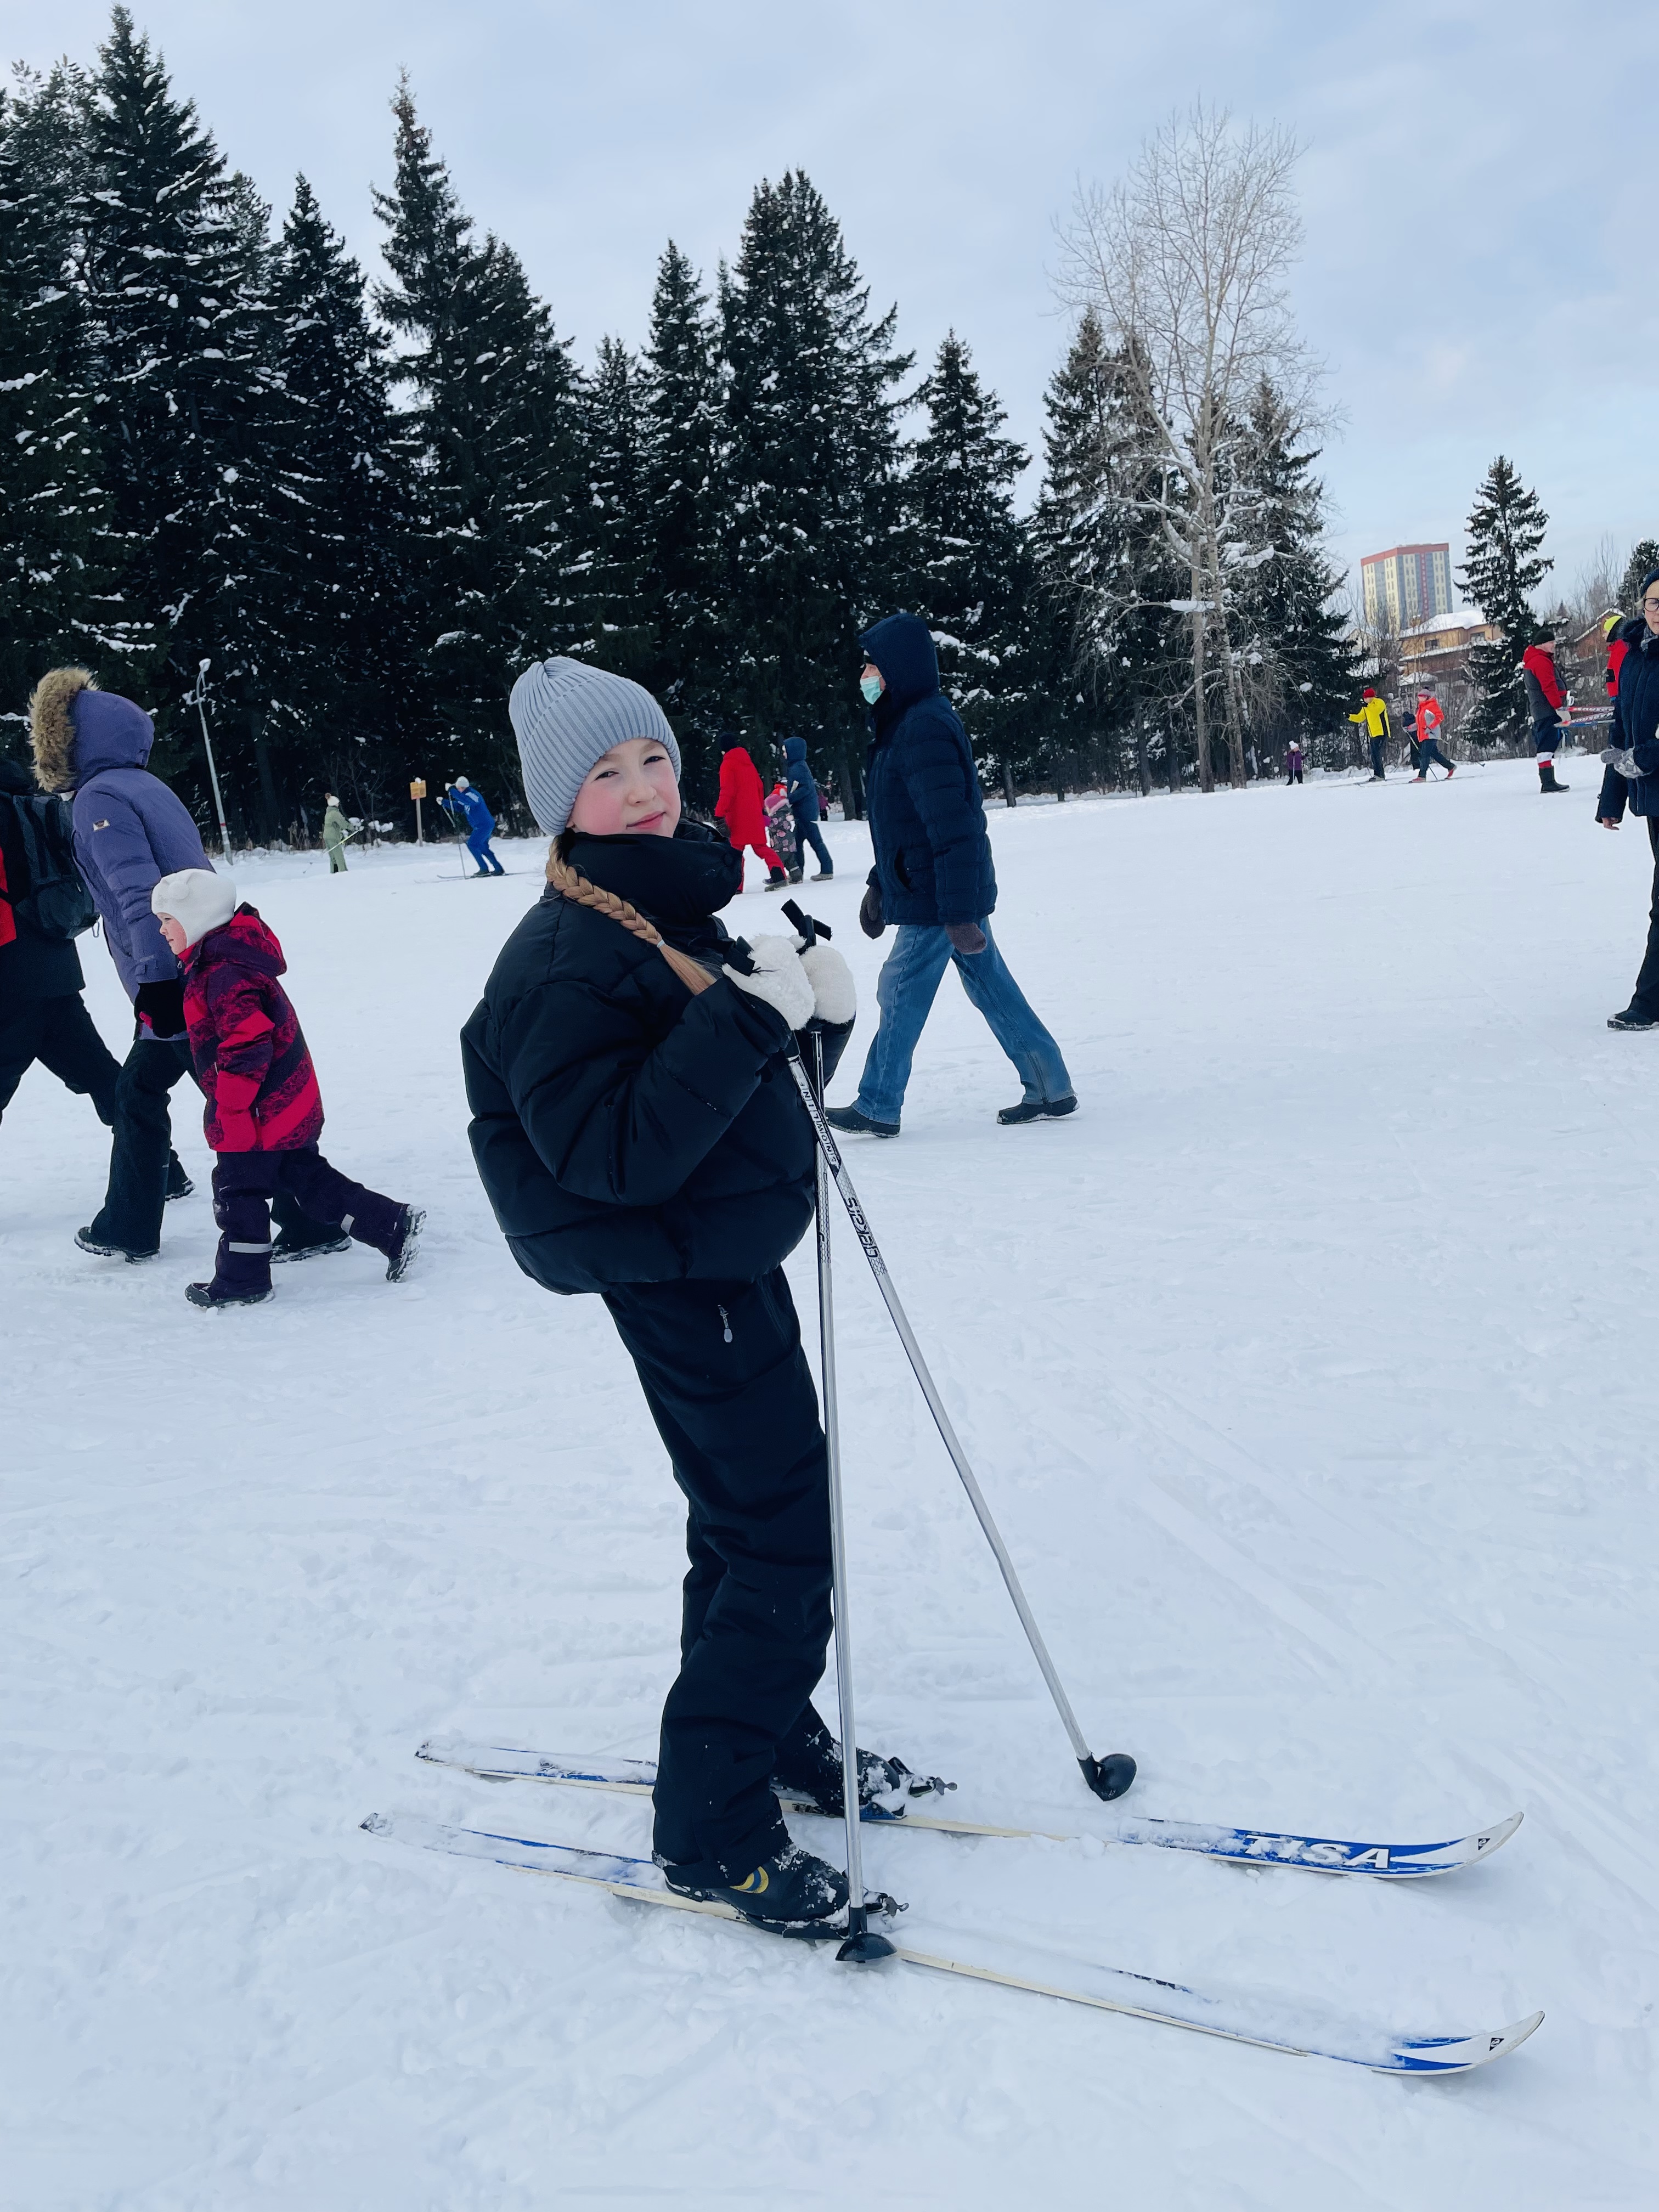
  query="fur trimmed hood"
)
[{"x": 76, "y": 729}]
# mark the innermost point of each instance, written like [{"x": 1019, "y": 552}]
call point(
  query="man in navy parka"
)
[{"x": 934, "y": 877}]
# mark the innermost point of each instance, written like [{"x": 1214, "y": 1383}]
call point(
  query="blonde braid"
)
[{"x": 569, "y": 884}]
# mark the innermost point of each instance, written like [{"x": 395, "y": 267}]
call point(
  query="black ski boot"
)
[
  {"x": 1547, "y": 782},
  {"x": 96, "y": 1245},
  {"x": 791, "y": 1893},
  {"x": 809, "y": 1768}
]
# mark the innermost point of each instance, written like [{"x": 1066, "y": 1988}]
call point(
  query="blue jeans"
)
[
  {"x": 478, "y": 845},
  {"x": 909, "y": 977},
  {"x": 807, "y": 832}
]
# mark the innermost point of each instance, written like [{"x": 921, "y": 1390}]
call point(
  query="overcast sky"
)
[{"x": 1477, "y": 232}]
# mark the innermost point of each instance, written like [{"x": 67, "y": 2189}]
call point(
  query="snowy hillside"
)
[{"x": 1309, "y": 1369}]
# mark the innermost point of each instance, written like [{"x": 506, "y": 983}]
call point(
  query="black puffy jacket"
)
[
  {"x": 31, "y": 967},
  {"x": 922, "y": 794},
  {"x": 1635, "y": 731},
  {"x": 624, "y": 1130}
]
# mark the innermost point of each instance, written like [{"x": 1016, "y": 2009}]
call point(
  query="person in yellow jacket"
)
[{"x": 1373, "y": 714}]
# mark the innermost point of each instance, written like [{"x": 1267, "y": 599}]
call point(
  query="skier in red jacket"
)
[
  {"x": 265, "y": 1112},
  {"x": 1429, "y": 716},
  {"x": 742, "y": 807},
  {"x": 1547, "y": 704}
]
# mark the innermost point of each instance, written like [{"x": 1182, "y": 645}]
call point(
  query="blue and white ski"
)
[
  {"x": 1249, "y": 1846},
  {"x": 1271, "y": 2024}
]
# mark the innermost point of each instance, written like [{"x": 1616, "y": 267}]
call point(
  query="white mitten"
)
[
  {"x": 836, "y": 998},
  {"x": 778, "y": 978}
]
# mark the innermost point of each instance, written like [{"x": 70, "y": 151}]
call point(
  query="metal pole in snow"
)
[{"x": 200, "y": 697}]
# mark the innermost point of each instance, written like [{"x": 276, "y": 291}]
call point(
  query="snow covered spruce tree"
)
[
  {"x": 610, "y": 522},
  {"x": 1287, "y": 634},
  {"x": 1645, "y": 556},
  {"x": 1501, "y": 570},
  {"x": 968, "y": 575},
  {"x": 810, "y": 493},
  {"x": 681, "y": 411},
  {"x": 55, "y": 556},
  {"x": 496, "y": 438},
  {"x": 186, "y": 407},
  {"x": 1103, "y": 666},
  {"x": 347, "y": 715},
  {"x": 1185, "y": 261}
]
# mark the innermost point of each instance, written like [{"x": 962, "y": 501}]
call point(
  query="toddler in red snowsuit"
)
[
  {"x": 742, "y": 807},
  {"x": 265, "y": 1112}
]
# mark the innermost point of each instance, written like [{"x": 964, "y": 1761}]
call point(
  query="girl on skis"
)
[{"x": 639, "y": 1138}]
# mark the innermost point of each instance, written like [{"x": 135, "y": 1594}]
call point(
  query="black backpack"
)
[{"x": 58, "y": 904}]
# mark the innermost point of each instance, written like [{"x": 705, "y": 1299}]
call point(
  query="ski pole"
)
[
  {"x": 862, "y": 1945},
  {"x": 1108, "y": 1778}
]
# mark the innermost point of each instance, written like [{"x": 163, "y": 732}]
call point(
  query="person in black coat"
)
[
  {"x": 640, "y": 1136},
  {"x": 934, "y": 877},
  {"x": 43, "y": 1015},
  {"x": 1631, "y": 776}
]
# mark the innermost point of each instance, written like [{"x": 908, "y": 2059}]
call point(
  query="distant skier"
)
[
  {"x": 43, "y": 1015},
  {"x": 934, "y": 877},
  {"x": 466, "y": 805},
  {"x": 741, "y": 804},
  {"x": 1429, "y": 716},
  {"x": 638, "y": 1138},
  {"x": 130, "y": 830},
  {"x": 1548, "y": 709},
  {"x": 1632, "y": 776},
  {"x": 1293, "y": 761},
  {"x": 1373, "y": 715},
  {"x": 265, "y": 1112},
  {"x": 807, "y": 805},
  {"x": 336, "y": 830}
]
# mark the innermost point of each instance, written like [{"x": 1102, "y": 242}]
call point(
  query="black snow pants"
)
[
  {"x": 732, "y": 1396},
  {"x": 62, "y": 1035},
  {"x": 130, "y": 1215},
  {"x": 1644, "y": 999},
  {"x": 245, "y": 1183}
]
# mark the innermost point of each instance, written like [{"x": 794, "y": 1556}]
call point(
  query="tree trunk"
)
[
  {"x": 1234, "y": 705},
  {"x": 268, "y": 806},
  {"x": 852, "y": 791},
  {"x": 1206, "y": 773},
  {"x": 1143, "y": 766},
  {"x": 1009, "y": 797}
]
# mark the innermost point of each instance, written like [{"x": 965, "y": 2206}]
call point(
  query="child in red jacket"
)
[
  {"x": 265, "y": 1112},
  {"x": 741, "y": 805}
]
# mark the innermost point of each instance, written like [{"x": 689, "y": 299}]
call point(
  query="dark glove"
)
[
  {"x": 965, "y": 936},
  {"x": 871, "y": 920},
  {"x": 162, "y": 1006}
]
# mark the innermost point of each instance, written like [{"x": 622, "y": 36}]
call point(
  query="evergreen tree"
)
[
  {"x": 180, "y": 341},
  {"x": 1645, "y": 556},
  {"x": 680, "y": 407},
  {"x": 968, "y": 575},
  {"x": 1502, "y": 568},
  {"x": 613, "y": 522},
  {"x": 55, "y": 602},
  {"x": 810, "y": 490},
  {"x": 1104, "y": 662},
  {"x": 348, "y": 714},
  {"x": 1284, "y": 630},
  {"x": 496, "y": 434}
]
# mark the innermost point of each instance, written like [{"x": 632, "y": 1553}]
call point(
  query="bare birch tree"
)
[{"x": 1185, "y": 261}]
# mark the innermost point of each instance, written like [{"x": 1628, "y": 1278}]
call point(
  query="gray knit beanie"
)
[{"x": 565, "y": 715}]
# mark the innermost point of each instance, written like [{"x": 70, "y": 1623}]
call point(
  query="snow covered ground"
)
[{"x": 1309, "y": 1369}]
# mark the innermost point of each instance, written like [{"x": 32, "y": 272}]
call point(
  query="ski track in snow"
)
[{"x": 1306, "y": 1370}]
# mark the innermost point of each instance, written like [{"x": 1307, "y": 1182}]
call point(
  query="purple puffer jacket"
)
[{"x": 129, "y": 831}]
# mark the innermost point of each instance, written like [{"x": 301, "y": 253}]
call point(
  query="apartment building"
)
[{"x": 1406, "y": 585}]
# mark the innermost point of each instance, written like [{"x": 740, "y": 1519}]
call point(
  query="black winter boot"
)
[
  {"x": 791, "y": 1893},
  {"x": 399, "y": 1246},
  {"x": 216, "y": 1294},
  {"x": 179, "y": 1183},
  {"x": 852, "y": 1123},
  {"x": 1633, "y": 1018},
  {"x": 808, "y": 1769},
  {"x": 1547, "y": 782},
  {"x": 775, "y": 880}
]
